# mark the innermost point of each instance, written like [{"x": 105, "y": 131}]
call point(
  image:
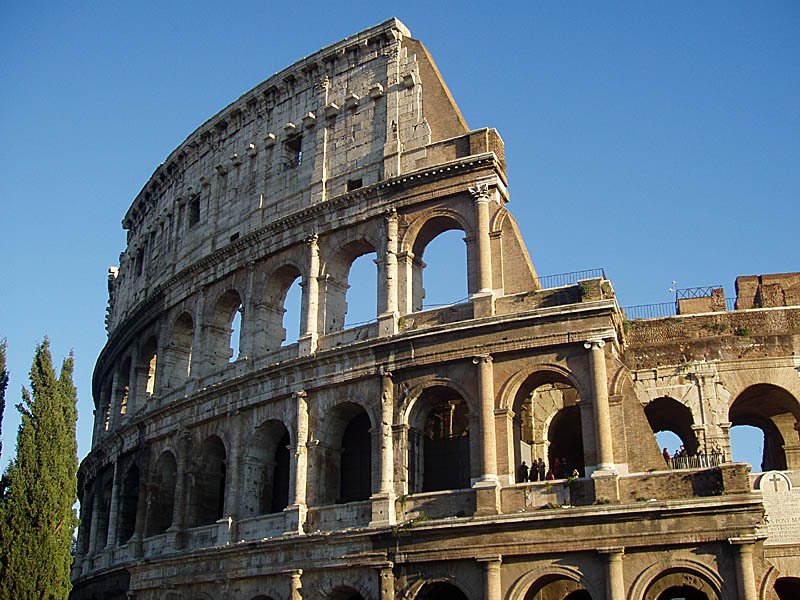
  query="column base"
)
[
  {"x": 487, "y": 496},
  {"x": 307, "y": 344},
  {"x": 388, "y": 324},
  {"x": 137, "y": 543},
  {"x": 383, "y": 510},
  {"x": 606, "y": 486},
  {"x": 226, "y": 531},
  {"x": 295, "y": 515},
  {"x": 482, "y": 304}
]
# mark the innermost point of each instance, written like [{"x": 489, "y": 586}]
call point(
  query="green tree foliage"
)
[
  {"x": 3, "y": 386},
  {"x": 36, "y": 515}
]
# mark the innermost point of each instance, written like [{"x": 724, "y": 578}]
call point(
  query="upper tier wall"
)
[{"x": 353, "y": 114}]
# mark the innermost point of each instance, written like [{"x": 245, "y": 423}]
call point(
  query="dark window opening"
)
[
  {"x": 293, "y": 152},
  {"x": 194, "y": 211},
  {"x": 356, "y": 465},
  {"x": 139, "y": 263},
  {"x": 354, "y": 184},
  {"x": 280, "y": 479},
  {"x": 234, "y": 237}
]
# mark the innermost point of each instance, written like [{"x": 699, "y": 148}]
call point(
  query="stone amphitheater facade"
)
[{"x": 383, "y": 461}]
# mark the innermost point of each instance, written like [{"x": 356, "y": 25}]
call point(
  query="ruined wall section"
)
[{"x": 346, "y": 117}]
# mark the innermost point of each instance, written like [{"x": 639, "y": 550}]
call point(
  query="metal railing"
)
[
  {"x": 572, "y": 278},
  {"x": 650, "y": 311},
  {"x": 696, "y": 292}
]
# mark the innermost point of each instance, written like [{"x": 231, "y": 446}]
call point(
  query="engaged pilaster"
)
[
  {"x": 113, "y": 513},
  {"x": 296, "y": 511},
  {"x": 488, "y": 494},
  {"x": 615, "y": 576},
  {"x": 745, "y": 575},
  {"x": 386, "y": 575},
  {"x": 296, "y": 584},
  {"x": 308, "y": 341},
  {"x": 387, "y": 320},
  {"x": 602, "y": 415},
  {"x": 383, "y": 509},
  {"x": 480, "y": 195},
  {"x": 492, "y": 584}
]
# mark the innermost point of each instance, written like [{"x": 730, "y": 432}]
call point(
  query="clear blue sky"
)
[{"x": 658, "y": 140}]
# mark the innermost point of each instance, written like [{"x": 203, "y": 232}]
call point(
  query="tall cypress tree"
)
[
  {"x": 3, "y": 385},
  {"x": 36, "y": 516}
]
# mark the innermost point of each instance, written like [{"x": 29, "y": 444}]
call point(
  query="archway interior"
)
[
  {"x": 266, "y": 470},
  {"x": 439, "y": 450},
  {"x": 683, "y": 592},
  {"x": 236, "y": 334},
  {"x": 667, "y": 414},
  {"x": 362, "y": 291},
  {"x": 776, "y": 413},
  {"x": 669, "y": 441},
  {"x": 224, "y": 329},
  {"x": 208, "y": 497},
  {"x": 129, "y": 503},
  {"x": 557, "y": 587},
  {"x": 162, "y": 495},
  {"x": 180, "y": 349},
  {"x": 747, "y": 445},
  {"x": 440, "y": 590},
  {"x": 356, "y": 463},
  {"x": 292, "y": 311},
  {"x": 548, "y": 431},
  {"x": 787, "y": 588},
  {"x": 439, "y": 268}
]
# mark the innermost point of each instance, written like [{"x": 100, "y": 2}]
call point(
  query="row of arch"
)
[
  {"x": 769, "y": 408},
  {"x": 250, "y": 319}
]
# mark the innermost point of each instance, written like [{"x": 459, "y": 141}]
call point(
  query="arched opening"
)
[
  {"x": 180, "y": 349},
  {"x": 336, "y": 282},
  {"x": 548, "y": 430},
  {"x": 280, "y": 315},
  {"x": 123, "y": 385},
  {"x": 208, "y": 491},
  {"x": 148, "y": 360},
  {"x": 787, "y": 588},
  {"x": 356, "y": 467},
  {"x": 438, "y": 273},
  {"x": 129, "y": 502},
  {"x": 104, "y": 410},
  {"x": 266, "y": 468},
  {"x": 565, "y": 438},
  {"x": 440, "y": 590},
  {"x": 678, "y": 584},
  {"x": 557, "y": 587},
  {"x": 667, "y": 414},
  {"x": 345, "y": 465},
  {"x": 223, "y": 345},
  {"x": 747, "y": 445},
  {"x": 162, "y": 495},
  {"x": 670, "y": 443},
  {"x": 438, "y": 444},
  {"x": 105, "y": 513},
  {"x": 345, "y": 593},
  {"x": 776, "y": 413},
  {"x": 362, "y": 291},
  {"x": 682, "y": 592}
]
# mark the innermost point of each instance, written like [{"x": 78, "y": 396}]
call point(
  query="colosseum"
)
[{"x": 502, "y": 447}]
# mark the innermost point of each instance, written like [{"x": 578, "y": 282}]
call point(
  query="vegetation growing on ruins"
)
[{"x": 36, "y": 515}]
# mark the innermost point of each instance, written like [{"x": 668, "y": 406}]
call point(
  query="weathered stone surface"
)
[{"x": 384, "y": 460}]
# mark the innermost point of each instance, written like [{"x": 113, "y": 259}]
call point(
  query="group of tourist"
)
[
  {"x": 682, "y": 459},
  {"x": 538, "y": 471}
]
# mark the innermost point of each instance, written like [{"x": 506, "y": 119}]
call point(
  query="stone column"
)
[
  {"x": 745, "y": 576},
  {"x": 198, "y": 363},
  {"x": 492, "y": 585},
  {"x": 141, "y": 515},
  {"x": 308, "y": 340},
  {"x": 383, "y": 509},
  {"x": 133, "y": 383},
  {"x": 602, "y": 415},
  {"x": 95, "y": 522},
  {"x": 297, "y": 584},
  {"x": 480, "y": 195},
  {"x": 179, "y": 512},
  {"x": 615, "y": 578},
  {"x": 387, "y": 582},
  {"x": 249, "y": 332},
  {"x": 114, "y": 400},
  {"x": 298, "y": 476},
  {"x": 389, "y": 314},
  {"x": 486, "y": 397},
  {"x": 113, "y": 513}
]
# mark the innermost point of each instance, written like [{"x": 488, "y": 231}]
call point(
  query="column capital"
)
[
  {"x": 595, "y": 343},
  {"x": 480, "y": 192},
  {"x": 743, "y": 540},
  {"x": 482, "y": 358},
  {"x": 312, "y": 240},
  {"x": 299, "y": 394},
  {"x": 612, "y": 551},
  {"x": 490, "y": 559},
  {"x": 390, "y": 215}
]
